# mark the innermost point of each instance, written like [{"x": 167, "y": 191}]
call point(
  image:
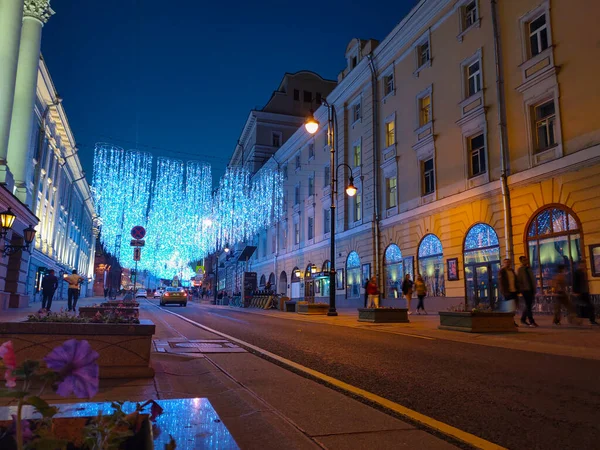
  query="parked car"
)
[
  {"x": 141, "y": 293},
  {"x": 173, "y": 295},
  {"x": 159, "y": 292}
]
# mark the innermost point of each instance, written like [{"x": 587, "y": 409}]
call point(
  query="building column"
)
[
  {"x": 11, "y": 20},
  {"x": 36, "y": 13}
]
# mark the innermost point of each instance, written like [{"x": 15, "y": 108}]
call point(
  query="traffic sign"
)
[
  {"x": 137, "y": 243},
  {"x": 137, "y": 253},
  {"x": 138, "y": 232}
]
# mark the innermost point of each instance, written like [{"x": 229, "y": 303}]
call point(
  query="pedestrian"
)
[
  {"x": 561, "y": 296},
  {"x": 366, "y": 293},
  {"x": 421, "y": 289},
  {"x": 581, "y": 287},
  {"x": 407, "y": 291},
  {"x": 372, "y": 293},
  {"x": 73, "y": 292},
  {"x": 508, "y": 284},
  {"x": 49, "y": 285},
  {"x": 527, "y": 286}
]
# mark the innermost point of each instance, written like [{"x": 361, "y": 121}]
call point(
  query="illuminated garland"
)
[{"x": 184, "y": 220}]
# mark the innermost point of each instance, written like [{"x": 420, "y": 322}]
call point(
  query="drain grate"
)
[
  {"x": 196, "y": 346},
  {"x": 199, "y": 345}
]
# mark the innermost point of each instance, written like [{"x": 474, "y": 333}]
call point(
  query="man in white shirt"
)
[{"x": 73, "y": 292}]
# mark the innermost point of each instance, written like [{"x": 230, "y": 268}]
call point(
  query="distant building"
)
[{"x": 457, "y": 166}]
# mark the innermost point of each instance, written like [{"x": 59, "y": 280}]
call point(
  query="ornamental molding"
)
[{"x": 38, "y": 9}]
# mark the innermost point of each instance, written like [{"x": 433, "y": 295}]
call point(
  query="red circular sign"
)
[{"x": 138, "y": 232}]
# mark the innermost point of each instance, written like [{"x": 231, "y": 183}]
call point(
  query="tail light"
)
[{"x": 166, "y": 294}]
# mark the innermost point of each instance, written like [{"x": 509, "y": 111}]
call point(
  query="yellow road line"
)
[{"x": 427, "y": 421}]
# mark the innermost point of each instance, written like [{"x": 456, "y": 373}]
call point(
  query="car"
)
[
  {"x": 141, "y": 293},
  {"x": 159, "y": 292},
  {"x": 173, "y": 295}
]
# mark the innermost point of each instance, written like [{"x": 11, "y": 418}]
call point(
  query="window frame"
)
[
  {"x": 423, "y": 49},
  {"x": 307, "y": 96},
  {"x": 311, "y": 151},
  {"x": 311, "y": 185},
  {"x": 425, "y": 178},
  {"x": 482, "y": 149},
  {"x": 535, "y": 121},
  {"x": 310, "y": 228},
  {"x": 421, "y": 109},
  {"x": 476, "y": 76},
  {"x": 387, "y": 132},
  {"x": 357, "y": 202},
  {"x": 326, "y": 176},
  {"x": 538, "y": 34},
  {"x": 279, "y": 136},
  {"x": 524, "y": 21},
  {"x": 326, "y": 220},
  {"x": 296, "y": 95},
  {"x": 389, "y": 195},
  {"x": 357, "y": 145},
  {"x": 297, "y": 162}
]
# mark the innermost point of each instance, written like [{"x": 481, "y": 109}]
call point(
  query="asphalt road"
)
[{"x": 520, "y": 400}]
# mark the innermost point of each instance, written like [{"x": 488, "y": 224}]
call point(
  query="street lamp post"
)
[{"x": 312, "y": 126}]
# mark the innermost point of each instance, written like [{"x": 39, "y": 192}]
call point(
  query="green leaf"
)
[
  {"x": 30, "y": 367},
  {"x": 41, "y": 406}
]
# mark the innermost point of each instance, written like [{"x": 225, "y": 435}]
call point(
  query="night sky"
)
[{"x": 180, "y": 77}]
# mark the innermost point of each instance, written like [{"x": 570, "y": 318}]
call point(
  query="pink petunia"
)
[
  {"x": 7, "y": 354},
  {"x": 75, "y": 361}
]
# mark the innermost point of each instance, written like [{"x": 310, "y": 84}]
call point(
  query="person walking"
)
[
  {"x": 49, "y": 285},
  {"x": 73, "y": 292},
  {"x": 508, "y": 284},
  {"x": 421, "y": 289},
  {"x": 407, "y": 291},
  {"x": 561, "y": 296},
  {"x": 526, "y": 282},
  {"x": 581, "y": 287},
  {"x": 372, "y": 293}
]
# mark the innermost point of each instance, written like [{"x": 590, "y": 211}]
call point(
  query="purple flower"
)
[{"x": 75, "y": 361}]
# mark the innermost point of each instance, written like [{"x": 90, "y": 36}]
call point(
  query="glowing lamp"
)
[
  {"x": 7, "y": 218},
  {"x": 351, "y": 189},
  {"x": 311, "y": 124}
]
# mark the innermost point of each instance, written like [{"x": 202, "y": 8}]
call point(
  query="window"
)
[
  {"x": 390, "y": 133},
  {"x": 285, "y": 172},
  {"x": 318, "y": 98},
  {"x": 473, "y": 78},
  {"x": 276, "y": 139},
  {"x": 538, "y": 35},
  {"x": 388, "y": 84},
  {"x": 326, "y": 221},
  {"x": 273, "y": 242},
  {"x": 311, "y": 228},
  {"x": 423, "y": 53},
  {"x": 298, "y": 162},
  {"x": 296, "y": 95},
  {"x": 391, "y": 187},
  {"x": 477, "y": 154},
  {"x": 545, "y": 121},
  {"x": 357, "y": 207},
  {"x": 311, "y": 151},
  {"x": 353, "y": 62},
  {"x": 311, "y": 186},
  {"x": 469, "y": 14},
  {"x": 326, "y": 176},
  {"x": 296, "y": 233},
  {"x": 428, "y": 177},
  {"x": 357, "y": 153},
  {"x": 356, "y": 112},
  {"x": 307, "y": 97},
  {"x": 284, "y": 236},
  {"x": 297, "y": 194},
  {"x": 285, "y": 203},
  {"x": 424, "y": 110},
  {"x": 431, "y": 265}
]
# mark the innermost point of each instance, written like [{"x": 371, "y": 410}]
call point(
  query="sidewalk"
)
[
  {"x": 263, "y": 405},
  {"x": 580, "y": 341}
]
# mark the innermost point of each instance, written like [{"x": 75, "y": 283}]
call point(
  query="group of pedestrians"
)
[
  {"x": 50, "y": 285},
  {"x": 408, "y": 288},
  {"x": 523, "y": 282}
]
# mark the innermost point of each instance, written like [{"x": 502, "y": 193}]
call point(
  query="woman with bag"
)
[
  {"x": 421, "y": 293},
  {"x": 407, "y": 290},
  {"x": 372, "y": 293}
]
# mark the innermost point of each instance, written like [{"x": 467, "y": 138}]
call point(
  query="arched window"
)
[
  {"x": 392, "y": 261},
  {"x": 553, "y": 238},
  {"x": 431, "y": 264},
  {"x": 323, "y": 280},
  {"x": 353, "y": 275},
  {"x": 326, "y": 267},
  {"x": 282, "y": 289},
  {"x": 262, "y": 281},
  {"x": 481, "y": 262},
  {"x": 272, "y": 280}
]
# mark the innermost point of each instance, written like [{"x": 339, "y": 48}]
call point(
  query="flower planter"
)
[
  {"x": 383, "y": 315},
  {"x": 312, "y": 308},
  {"x": 124, "y": 348},
  {"x": 290, "y": 306},
  {"x": 91, "y": 311},
  {"x": 478, "y": 322},
  {"x": 113, "y": 303}
]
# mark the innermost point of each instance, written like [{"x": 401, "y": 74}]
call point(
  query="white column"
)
[
  {"x": 11, "y": 19},
  {"x": 35, "y": 14}
]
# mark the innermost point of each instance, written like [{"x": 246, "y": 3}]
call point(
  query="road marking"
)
[{"x": 427, "y": 421}]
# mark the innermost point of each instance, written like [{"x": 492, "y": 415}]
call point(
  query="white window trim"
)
[
  {"x": 425, "y": 38},
  {"x": 543, "y": 8},
  {"x": 359, "y": 191},
  {"x": 310, "y": 157},
  {"x": 388, "y": 119},
  {"x": 431, "y": 195},
  {"x": 424, "y": 93},
  {"x": 391, "y": 70},
  {"x": 551, "y": 153},
  {"x": 464, "y": 65},
  {"x": 356, "y": 143},
  {"x": 356, "y": 101},
  {"x": 462, "y": 31}
]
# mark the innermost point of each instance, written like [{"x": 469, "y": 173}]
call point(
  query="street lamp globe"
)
[
  {"x": 226, "y": 249},
  {"x": 311, "y": 124},
  {"x": 351, "y": 189},
  {"x": 7, "y": 218}
]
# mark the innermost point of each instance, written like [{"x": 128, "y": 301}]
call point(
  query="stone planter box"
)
[
  {"x": 114, "y": 303},
  {"x": 383, "y": 315},
  {"x": 290, "y": 306},
  {"x": 312, "y": 308},
  {"x": 124, "y": 348},
  {"x": 90, "y": 311},
  {"x": 478, "y": 322}
]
